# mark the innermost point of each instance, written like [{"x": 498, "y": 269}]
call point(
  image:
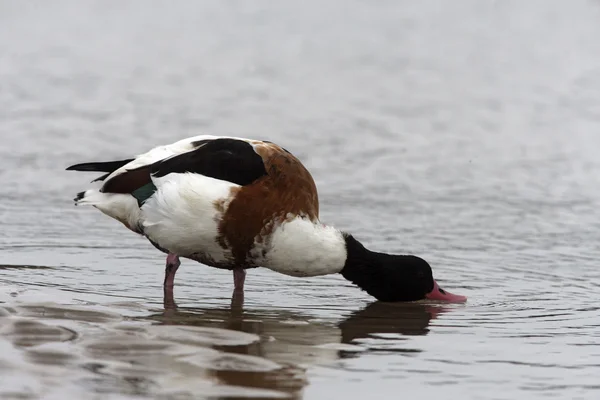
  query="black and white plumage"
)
[{"x": 238, "y": 203}]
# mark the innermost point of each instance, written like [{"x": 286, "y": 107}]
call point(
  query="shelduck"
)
[{"x": 235, "y": 203}]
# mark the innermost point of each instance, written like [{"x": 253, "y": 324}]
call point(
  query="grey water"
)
[{"x": 466, "y": 132}]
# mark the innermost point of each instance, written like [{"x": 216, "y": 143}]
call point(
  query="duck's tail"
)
[
  {"x": 104, "y": 166},
  {"x": 122, "y": 207}
]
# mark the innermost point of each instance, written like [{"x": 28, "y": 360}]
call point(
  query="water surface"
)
[{"x": 465, "y": 132}]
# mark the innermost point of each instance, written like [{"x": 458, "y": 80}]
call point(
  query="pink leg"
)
[
  {"x": 171, "y": 268},
  {"x": 239, "y": 276}
]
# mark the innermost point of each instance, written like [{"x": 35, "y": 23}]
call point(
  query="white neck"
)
[{"x": 302, "y": 248}]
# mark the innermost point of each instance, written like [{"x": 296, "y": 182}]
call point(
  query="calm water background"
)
[{"x": 467, "y": 132}]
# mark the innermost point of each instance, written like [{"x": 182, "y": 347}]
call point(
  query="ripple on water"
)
[
  {"x": 67, "y": 312},
  {"x": 141, "y": 361},
  {"x": 129, "y": 347},
  {"x": 534, "y": 316},
  {"x": 202, "y": 336},
  {"x": 27, "y": 333},
  {"x": 232, "y": 362},
  {"x": 223, "y": 392},
  {"x": 50, "y": 357}
]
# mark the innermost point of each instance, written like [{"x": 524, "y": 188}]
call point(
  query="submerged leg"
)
[
  {"x": 173, "y": 264},
  {"x": 237, "y": 300},
  {"x": 239, "y": 276},
  {"x": 169, "y": 299}
]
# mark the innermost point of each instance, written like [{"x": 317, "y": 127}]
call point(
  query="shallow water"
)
[{"x": 465, "y": 132}]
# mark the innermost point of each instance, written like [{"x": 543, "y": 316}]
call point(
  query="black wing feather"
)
[
  {"x": 230, "y": 160},
  {"x": 104, "y": 166}
]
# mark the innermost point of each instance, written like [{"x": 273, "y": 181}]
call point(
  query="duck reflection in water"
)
[
  {"x": 291, "y": 336},
  {"x": 406, "y": 319},
  {"x": 295, "y": 340}
]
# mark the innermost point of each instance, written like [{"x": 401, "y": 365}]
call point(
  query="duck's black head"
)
[{"x": 390, "y": 277}]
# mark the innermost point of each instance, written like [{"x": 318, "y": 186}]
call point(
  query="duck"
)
[{"x": 235, "y": 204}]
